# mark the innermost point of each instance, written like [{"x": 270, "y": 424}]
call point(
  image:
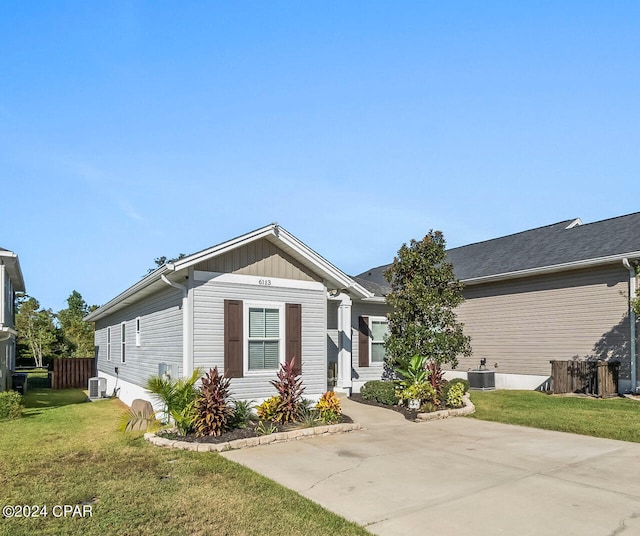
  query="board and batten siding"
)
[
  {"x": 358, "y": 309},
  {"x": 523, "y": 324},
  {"x": 260, "y": 258},
  {"x": 208, "y": 333},
  {"x": 160, "y": 338}
]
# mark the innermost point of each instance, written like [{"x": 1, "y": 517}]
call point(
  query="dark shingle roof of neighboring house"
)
[{"x": 562, "y": 245}]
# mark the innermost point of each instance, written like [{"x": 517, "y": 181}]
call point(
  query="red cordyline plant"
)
[
  {"x": 436, "y": 376},
  {"x": 289, "y": 387},
  {"x": 213, "y": 409}
]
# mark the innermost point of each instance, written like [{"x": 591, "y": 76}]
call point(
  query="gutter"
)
[
  {"x": 632, "y": 322},
  {"x": 587, "y": 263}
]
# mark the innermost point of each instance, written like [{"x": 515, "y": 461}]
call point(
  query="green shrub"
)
[
  {"x": 419, "y": 391},
  {"x": 242, "y": 413},
  {"x": 462, "y": 381},
  {"x": 10, "y": 405},
  {"x": 454, "y": 395},
  {"x": 428, "y": 407},
  {"x": 380, "y": 391}
]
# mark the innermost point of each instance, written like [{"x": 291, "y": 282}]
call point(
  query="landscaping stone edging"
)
[
  {"x": 467, "y": 409},
  {"x": 277, "y": 437}
]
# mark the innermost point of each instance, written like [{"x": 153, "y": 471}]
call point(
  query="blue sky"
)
[{"x": 131, "y": 130}]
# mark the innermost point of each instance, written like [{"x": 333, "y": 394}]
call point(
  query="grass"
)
[
  {"x": 66, "y": 451},
  {"x": 613, "y": 418}
]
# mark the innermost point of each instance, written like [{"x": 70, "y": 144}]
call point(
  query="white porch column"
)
[{"x": 344, "y": 344}]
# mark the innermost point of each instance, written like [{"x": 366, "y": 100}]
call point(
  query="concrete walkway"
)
[{"x": 460, "y": 476}]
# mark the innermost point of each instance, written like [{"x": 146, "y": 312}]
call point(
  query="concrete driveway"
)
[{"x": 460, "y": 476}]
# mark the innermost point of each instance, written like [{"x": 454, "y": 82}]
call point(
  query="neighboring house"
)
[
  {"x": 556, "y": 292},
  {"x": 11, "y": 281},
  {"x": 245, "y": 306}
]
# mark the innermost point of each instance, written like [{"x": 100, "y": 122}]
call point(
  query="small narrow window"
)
[
  {"x": 123, "y": 342},
  {"x": 138, "y": 337},
  {"x": 109, "y": 344}
]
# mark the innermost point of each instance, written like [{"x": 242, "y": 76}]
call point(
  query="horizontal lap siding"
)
[
  {"x": 161, "y": 338},
  {"x": 209, "y": 334},
  {"x": 522, "y": 324},
  {"x": 373, "y": 371}
]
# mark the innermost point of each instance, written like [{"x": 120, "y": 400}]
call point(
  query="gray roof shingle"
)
[{"x": 546, "y": 246}]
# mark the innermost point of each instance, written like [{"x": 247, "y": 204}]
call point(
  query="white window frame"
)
[
  {"x": 138, "y": 335},
  {"x": 281, "y": 329},
  {"x": 109, "y": 343},
  {"x": 373, "y": 319},
  {"x": 123, "y": 342}
]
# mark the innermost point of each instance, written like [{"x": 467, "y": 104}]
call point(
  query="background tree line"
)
[{"x": 43, "y": 334}]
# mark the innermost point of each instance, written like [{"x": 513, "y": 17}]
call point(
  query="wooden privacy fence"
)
[
  {"x": 73, "y": 372},
  {"x": 597, "y": 378}
]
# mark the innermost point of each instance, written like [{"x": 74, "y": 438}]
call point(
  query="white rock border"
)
[
  {"x": 467, "y": 409},
  {"x": 277, "y": 437}
]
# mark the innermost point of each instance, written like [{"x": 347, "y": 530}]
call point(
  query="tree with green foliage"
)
[
  {"x": 37, "y": 333},
  {"x": 78, "y": 334},
  {"x": 424, "y": 295}
]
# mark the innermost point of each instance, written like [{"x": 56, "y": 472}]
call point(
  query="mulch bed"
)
[
  {"x": 240, "y": 433},
  {"x": 409, "y": 414}
]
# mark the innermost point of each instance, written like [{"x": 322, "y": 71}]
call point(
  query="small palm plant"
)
[{"x": 178, "y": 398}]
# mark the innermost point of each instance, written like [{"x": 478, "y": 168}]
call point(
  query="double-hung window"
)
[
  {"x": 379, "y": 327},
  {"x": 264, "y": 336}
]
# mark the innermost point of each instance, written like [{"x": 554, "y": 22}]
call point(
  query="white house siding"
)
[
  {"x": 521, "y": 325},
  {"x": 4, "y": 365},
  {"x": 361, "y": 375},
  {"x": 208, "y": 331},
  {"x": 160, "y": 340}
]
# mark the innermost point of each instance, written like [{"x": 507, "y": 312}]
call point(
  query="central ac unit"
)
[{"x": 97, "y": 388}]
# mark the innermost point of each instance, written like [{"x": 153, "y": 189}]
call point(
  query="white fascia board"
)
[
  {"x": 312, "y": 258},
  {"x": 223, "y": 248},
  {"x": 576, "y": 265},
  {"x": 104, "y": 310},
  {"x": 375, "y": 299},
  {"x": 11, "y": 261},
  {"x": 321, "y": 263}
]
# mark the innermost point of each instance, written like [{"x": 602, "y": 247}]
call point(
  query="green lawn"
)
[
  {"x": 66, "y": 451},
  {"x": 613, "y": 418}
]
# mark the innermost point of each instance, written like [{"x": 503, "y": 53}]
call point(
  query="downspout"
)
[
  {"x": 186, "y": 326},
  {"x": 632, "y": 321}
]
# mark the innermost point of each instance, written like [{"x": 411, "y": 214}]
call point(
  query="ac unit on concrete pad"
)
[{"x": 97, "y": 388}]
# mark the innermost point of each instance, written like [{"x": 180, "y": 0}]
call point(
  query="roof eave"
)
[
  {"x": 542, "y": 270},
  {"x": 11, "y": 261}
]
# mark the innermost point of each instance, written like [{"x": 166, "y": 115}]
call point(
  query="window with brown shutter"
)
[
  {"x": 233, "y": 340},
  {"x": 293, "y": 335},
  {"x": 363, "y": 341}
]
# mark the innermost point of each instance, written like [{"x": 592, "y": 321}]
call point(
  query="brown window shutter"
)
[
  {"x": 363, "y": 341},
  {"x": 233, "y": 340},
  {"x": 293, "y": 335}
]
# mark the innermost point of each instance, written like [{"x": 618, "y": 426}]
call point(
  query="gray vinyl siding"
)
[
  {"x": 374, "y": 370},
  {"x": 332, "y": 331},
  {"x": 4, "y": 365},
  {"x": 161, "y": 338},
  {"x": 208, "y": 327},
  {"x": 521, "y": 325}
]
